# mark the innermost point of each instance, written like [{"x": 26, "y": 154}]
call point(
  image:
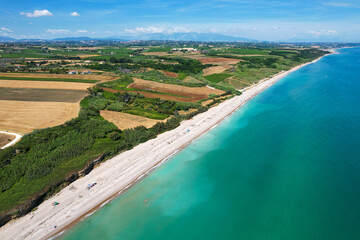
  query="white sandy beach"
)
[{"x": 120, "y": 172}]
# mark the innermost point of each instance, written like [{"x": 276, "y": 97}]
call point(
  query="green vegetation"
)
[
  {"x": 240, "y": 51},
  {"x": 218, "y": 77},
  {"x": 118, "y": 84},
  {"x": 182, "y": 76},
  {"x": 134, "y": 103},
  {"x": 50, "y": 79},
  {"x": 159, "y": 49},
  {"x": 43, "y": 159},
  {"x": 157, "y": 76}
]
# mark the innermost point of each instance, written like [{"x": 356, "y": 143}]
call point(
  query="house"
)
[
  {"x": 73, "y": 72},
  {"x": 184, "y": 49},
  {"x": 124, "y": 70},
  {"x": 86, "y": 72}
]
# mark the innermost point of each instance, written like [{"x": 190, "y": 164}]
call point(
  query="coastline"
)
[{"x": 118, "y": 174}]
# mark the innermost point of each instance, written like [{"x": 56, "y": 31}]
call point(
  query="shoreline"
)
[{"x": 121, "y": 172}]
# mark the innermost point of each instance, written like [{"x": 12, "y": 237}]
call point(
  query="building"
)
[{"x": 184, "y": 49}]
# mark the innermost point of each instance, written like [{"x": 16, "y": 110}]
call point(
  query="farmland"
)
[
  {"x": 47, "y": 77},
  {"x": 44, "y": 85},
  {"x": 194, "y": 93},
  {"x": 41, "y": 95},
  {"x": 5, "y": 139},
  {"x": 215, "y": 78},
  {"x": 127, "y": 94},
  {"x": 125, "y": 120},
  {"x": 26, "y": 116}
]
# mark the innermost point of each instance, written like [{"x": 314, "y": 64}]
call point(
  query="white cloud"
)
[
  {"x": 74, "y": 14},
  {"x": 153, "y": 29},
  {"x": 146, "y": 30},
  {"x": 6, "y": 30},
  {"x": 322, "y": 32},
  {"x": 275, "y": 28},
  {"x": 66, "y": 31},
  {"x": 38, "y": 13},
  {"x": 55, "y": 31}
]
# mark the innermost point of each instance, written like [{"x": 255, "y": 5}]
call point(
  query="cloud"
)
[
  {"x": 337, "y": 4},
  {"x": 38, "y": 13},
  {"x": 153, "y": 29},
  {"x": 146, "y": 30},
  {"x": 66, "y": 31},
  {"x": 6, "y": 30},
  {"x": 55, "y": 31},
  {"x": 275, "y": 28},
  {"x": 322, "y": 33},
  {"x": 74, "y": 14}
]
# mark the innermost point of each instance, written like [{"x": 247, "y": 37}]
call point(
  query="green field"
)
[
  {"x": 217, "y": 77},
  {"x": 159, "y": 49}
]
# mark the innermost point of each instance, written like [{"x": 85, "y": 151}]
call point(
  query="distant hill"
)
[
  {"x": 191, "y": 36},
  {"x": 74, "y": 39},
  {"x": 7, "y": 39}
]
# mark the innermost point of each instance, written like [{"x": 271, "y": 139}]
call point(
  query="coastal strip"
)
[
  {"x": 17, "y": 138},
  {"x": 118, "y": 174}
]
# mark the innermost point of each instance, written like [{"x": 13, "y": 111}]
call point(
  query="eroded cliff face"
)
[{"x": 40, "y": 197}]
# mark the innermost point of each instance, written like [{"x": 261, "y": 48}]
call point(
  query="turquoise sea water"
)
[{"x": 285, "y": 166}]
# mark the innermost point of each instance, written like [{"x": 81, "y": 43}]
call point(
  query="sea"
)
[{"x": 285, "y": 166}]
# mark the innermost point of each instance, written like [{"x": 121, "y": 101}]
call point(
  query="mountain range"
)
[{"x": 190, "y": 36}]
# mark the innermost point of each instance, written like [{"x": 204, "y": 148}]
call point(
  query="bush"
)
[
  {"x": 117, "y": 106},
  {"x": 98, "y": 103}
]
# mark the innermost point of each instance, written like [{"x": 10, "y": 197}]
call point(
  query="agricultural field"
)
[
  {"x": 25, "y": 116},
  {"x": 194, "y": 94},
  {"x": 5, "y": 139},
  {"x": 44, "y": 85},
  {"x": 47, "y": 77},
  {"x": 139, "y": 90},
  {"x": 29, "y": 105},
  {"x": 42, "y": 95},
  {"x": 218, "y": 77},
  {"x": 124, "y": 120}
]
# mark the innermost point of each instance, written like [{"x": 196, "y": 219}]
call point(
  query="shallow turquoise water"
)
[{"x": 285, "y": 166}]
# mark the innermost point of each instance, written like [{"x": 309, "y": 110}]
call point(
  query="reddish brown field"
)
[
  {"x": 170, "y": 74},
  {"x": 156, "y": 95},
  {"x": 188, "y": 94},
  {"x": 70, "y": 76},
  {"x": 87, "y": 55},
  {"x": 218, "y": 60}
]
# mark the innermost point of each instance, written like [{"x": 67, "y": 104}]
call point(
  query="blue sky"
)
[{"x": 316, "y": 20}]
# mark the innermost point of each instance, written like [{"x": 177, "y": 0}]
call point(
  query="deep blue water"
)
[{"x": 285, "y": 166}]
